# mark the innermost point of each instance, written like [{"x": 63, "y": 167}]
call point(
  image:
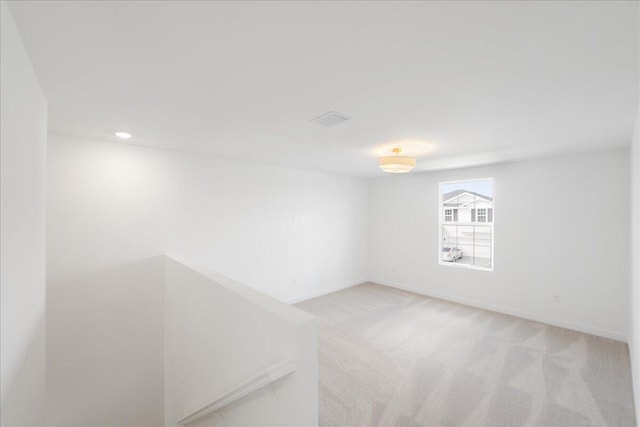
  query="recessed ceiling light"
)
[{"x": 123, "y": 135}]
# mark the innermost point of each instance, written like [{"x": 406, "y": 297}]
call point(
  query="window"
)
[
  {"x": 466, "y": 223},
  {"x": 448, "y": 215},
  {"x": 482, "y": 215}
]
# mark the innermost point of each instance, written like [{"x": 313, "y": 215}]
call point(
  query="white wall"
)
[
  {"x": 218, "y": 335},
  {"x": 634, "y": 327},
  {"x": 561, "y": 229},
  {"x": 22, "y": 247},
  {"x": 113, "y": 208}
]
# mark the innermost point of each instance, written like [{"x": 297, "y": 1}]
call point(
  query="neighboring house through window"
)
[{"x": 466, "y": 223}]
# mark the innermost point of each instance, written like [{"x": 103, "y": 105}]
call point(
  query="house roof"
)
[{"x": 453, "y": 194}]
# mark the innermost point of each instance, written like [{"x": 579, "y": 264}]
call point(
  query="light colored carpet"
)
[{"x": 394, "y": 358}]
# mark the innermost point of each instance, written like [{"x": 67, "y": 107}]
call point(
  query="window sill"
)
[{"x": 465, "y": 266}]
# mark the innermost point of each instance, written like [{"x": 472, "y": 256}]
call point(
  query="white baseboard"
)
[
  {"x": 322, "y": 292},
  {"x": 517, "y": 313}
]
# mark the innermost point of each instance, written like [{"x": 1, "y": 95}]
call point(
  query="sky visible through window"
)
[{"x": 484, "y": 187}]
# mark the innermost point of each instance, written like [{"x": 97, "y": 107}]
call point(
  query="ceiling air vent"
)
[{"x": 331, "y": 118}]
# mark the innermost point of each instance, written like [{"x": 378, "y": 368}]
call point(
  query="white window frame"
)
[
  {"x": 450, "y": 215},
  {"x": 485, "y": 216},
  {"x": 491, "y": 224}
]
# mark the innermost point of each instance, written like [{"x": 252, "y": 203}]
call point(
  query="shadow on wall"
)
[
  {"x": 105, "y": 354},
  {"x": 23, "y": 381}
]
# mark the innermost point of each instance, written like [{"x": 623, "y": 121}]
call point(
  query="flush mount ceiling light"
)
[
  {"x": 123, "y": 135},
  {"x": 397, "y": 163}
]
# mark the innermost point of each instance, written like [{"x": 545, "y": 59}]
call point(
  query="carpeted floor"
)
[{"x": 394, "y": 358}]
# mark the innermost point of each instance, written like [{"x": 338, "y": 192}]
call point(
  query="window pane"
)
[
  {"x": 482, "y": 214},
  {"x": 449, "y": 195},
  {"x": 467, "y": 223},
  {"x": 449, "y": 235},
  {"x": 482, "y": 247}
]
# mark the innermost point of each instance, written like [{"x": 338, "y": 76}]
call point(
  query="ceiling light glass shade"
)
[{"x": 397, "y": 164}]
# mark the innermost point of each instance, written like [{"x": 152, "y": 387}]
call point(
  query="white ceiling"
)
[{"x": 460, "y": 83}]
